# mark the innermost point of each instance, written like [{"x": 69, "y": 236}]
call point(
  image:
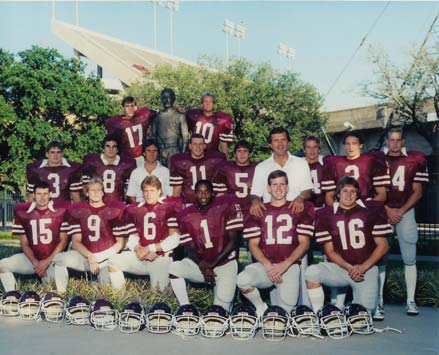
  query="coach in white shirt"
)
[
  {"x": 151, "y": 166},
  {"x": 297, "y": 169}
]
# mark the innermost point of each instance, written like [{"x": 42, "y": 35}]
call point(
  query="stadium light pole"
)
[
  {"x": 229, "y": 28},
  {"x": 77, "y": 12},
  {"x": 239, "y": 34},
  {"x": 282, "y": 50},
  {"x": 154, "y": 4},
  {"x": 291, "y": 55},
  {"x": 172, "y": 5}
]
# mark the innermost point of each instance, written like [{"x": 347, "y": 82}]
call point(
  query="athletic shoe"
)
[
  {"x": 412, "y": 309},
  {"x": 379, "y": 313}
]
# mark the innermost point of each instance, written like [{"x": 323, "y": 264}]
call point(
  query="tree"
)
[
  {"x": 258, "y": 97},
  {"x": 45, "y": 96},
  {"x": 407, "y": 88}
]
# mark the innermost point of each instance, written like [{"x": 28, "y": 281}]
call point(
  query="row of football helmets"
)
[{"x": 242, "y": 323}]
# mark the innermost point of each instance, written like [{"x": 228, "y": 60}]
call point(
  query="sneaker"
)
[
  {"x": 379, "y": 313},
  {"x": 412, "y": 309}
]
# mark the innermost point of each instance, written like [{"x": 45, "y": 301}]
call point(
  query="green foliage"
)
[
  {"x": 45, "y": 97},
  {"x": 258, "y": 97}
]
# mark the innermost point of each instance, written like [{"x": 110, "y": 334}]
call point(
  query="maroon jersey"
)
[
  {"x": 232, "y": 178},
  {"x": 41, "y": 227},
  {"x": 99, "y": 226},
  {"x": 186, "y": 171},
  {"x": 62, "y": 179},
  {"x": 352, "y": 231},
  {"x": 115, "y": 176},
  {"x": 370, "y": 170},
  {"x": 405, "y": 170},
  {"x": 131, "y": 131},
  {"x": 215, "y": 128},
  {"x": 152, "y": 222},
  {"x": 278, "y": 230},
  {"x": 316, "y": 170},
  {"x": 208, "y": 229}
]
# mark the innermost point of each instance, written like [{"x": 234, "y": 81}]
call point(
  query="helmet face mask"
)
[
  {"x": 159, "y": 318},
  {"x": 29, "y": 306},
  {"x": 52, "y": 307},
  {"x": 186, "y": 320},
  {"x": 303, "y": 321},
  {"x": 359, "y": 319},
  {"x": 333, "y": 322},
  {"x": 132, "y": 318},
  {"x": 214, "y": 322},
  {"x": 9, "y": 304},
  {"x": 274, "y": 323},
  {"x": 243, "y": 323},
  {"x": 77, "y": 311},
  {"x": 103, "y": 316}
]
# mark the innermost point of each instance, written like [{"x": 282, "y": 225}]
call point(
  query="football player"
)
[
  {"x": 187, "y": 168},
  {"x": 152, "y": 229},
  {"x": 353, "y": 234},
  {"x": 132, "y": 128},
  {"x": 209, "y": 229},
  {"x": 277, "y": 240},
  {"x": 97, "y": 234},
  {"x": 113, "y": 169},
  {"x": 42, "y": 229},
  {"x": 216, "y": 127},
  {"x": 408, "y": 171},
  {"x": 311, "y": 148},
  {"x": 63, "y": 177}
]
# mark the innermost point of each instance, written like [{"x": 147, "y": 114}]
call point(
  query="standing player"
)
[
  {"x": 97, "y": 234},
  {"x": 63, "y": 177},
  {"x": 152, "y": 229},
  {"x": 311, "y": 147},
  {"x": 41, "y": 227},
  {"x": 113, "y": 169},
  {"x": 354, "y": 234},
  {"x": 216, "y": 127},
  {"x": 408, "y": 171},
  {"x": 210, "y": 229},
  {"x": 277, "y": 240},
  {"x": 188, "y": 168},
  {"x": 236, "y": 176},
  {"x": 131, "y": 129}
]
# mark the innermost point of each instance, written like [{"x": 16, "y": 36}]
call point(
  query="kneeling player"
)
[
  {"x": 152, "y": 230},
  {"x": 277, "y": 241},
  {"x": 97, "y": 234},
  {"x": 354, "y": 236},
  {"x": 210, "y": 229}
]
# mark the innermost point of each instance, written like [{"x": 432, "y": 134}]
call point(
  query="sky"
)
[{"x": 325, "y": 34}]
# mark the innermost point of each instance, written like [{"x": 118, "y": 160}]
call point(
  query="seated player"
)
[
  {"x": 152, "y": 229},
  {"x": 209, "y": 228},
  {"x": 354, "y": 234},
  {"x": 42, "y": 230},
  {"x": 97, "y": 234},
  {"x": 277, "y": 240}
]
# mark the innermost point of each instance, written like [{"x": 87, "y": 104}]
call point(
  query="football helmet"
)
[
  {"x": 358, "y": 319},
  {"x": 333, "y": 322},
  {"x": 29, "y": 305},
  {"x": 186, "y": 320},
  {"x": 52, "y": 307},
  {"x": 274, "y": 323},
  {"x": 214, "y": 322},
  {"x": 303, "y": 321},
  {"x": 103, "y": 316},
  {"x": 159, "y": 318},
  {"x": 77, "y": 311},
  {"x": 243, "y": 322},
  {"x": 132, "y": 318},
  {"x": 9, "y": 304}
]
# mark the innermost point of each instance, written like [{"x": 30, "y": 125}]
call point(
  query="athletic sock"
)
[
  {"x": 381, "y": 281},
  {"x": 61, "y": 278},
  {"x": 8, "y": 281},
  {"x": 410, "y": 273},
  {"x": 117, "y": 279},
  {"x": 179, "y": 288},
  {"x": 255, "y": 298},
  {"x": 317, "y": 298}
]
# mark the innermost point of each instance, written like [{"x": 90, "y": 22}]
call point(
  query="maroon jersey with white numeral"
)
[
  {"x": 62, "y": 179},
  {"x": 278, "y": 230},
  {"x": 186, "y": 171},
  {"x": 317, "y": 196},
  {"x": 208, "y": 229},
  {"x": 115, "y": 176},
  {"x": 232, "y": 178},
  {"x": 99, "y": 226},
  {"x": 215, "y": 128},
  {"x": 152, "y": 222},
  {"x": 405, "y": 170},
  {"x": 41, "y": 227},
  {"x": 131, "y": 132},
  {"x": 370, "y": 170},
  {"x": 352, "y": 231}
]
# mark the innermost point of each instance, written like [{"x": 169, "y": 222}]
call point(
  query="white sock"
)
[
  {"x": 317, "y": 298},
  {"x": 8, "y": 281},
  {"x": 381, "y": 282},
  {"x": 179, "y": 288},
  {"x": 61, "y": 278},
  {"x": 273, "y": 296},
  {"x": 338, "y": 296},
  {"x": 255, "y": 298},
  {"x": 117, "y": 280},
  {"x": 410, "y": 273}
]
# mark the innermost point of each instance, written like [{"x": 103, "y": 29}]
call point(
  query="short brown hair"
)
[
  {"x": 277, "y": 174},
  {"x": 153, "y": 181}
]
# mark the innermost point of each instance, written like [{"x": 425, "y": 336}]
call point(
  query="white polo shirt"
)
[
  {"x": 297, "y": 169},
  {"x": 139, "y": 174}
]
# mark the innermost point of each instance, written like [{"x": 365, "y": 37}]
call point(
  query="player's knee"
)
[
  {"x": 3, "y": 267},
  {"x": 243, "y": 282},
  {"x": 112, "y": 268},
  {"x": 312, "y": 276},
  {"x": 173, "y": 270}
]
